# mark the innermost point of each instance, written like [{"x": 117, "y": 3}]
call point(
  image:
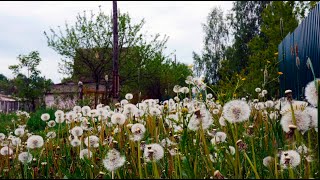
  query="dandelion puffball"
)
[
  {"x": 45, "y": 117},
  {"x": 113, "y": 160},
  {"x": 311, "y": 93},
  {"x": 118, "y": 118},
  {"x": 236, "y": 111},
  {"x": 153, "y": 152},
  {"x": 34, "y": 141},
  {"x": 25, "y": 157},
  {"x": 290, "y": 158}
]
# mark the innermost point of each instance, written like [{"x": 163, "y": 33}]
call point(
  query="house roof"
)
[
  {"x": 6, "y": 98},
  {"x": 72, "y": 87}
]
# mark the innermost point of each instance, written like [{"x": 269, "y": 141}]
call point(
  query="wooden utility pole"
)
[{"x": 115, "y": 79}]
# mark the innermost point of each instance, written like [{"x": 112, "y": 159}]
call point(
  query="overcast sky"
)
[{"x": 22, "y": 24}]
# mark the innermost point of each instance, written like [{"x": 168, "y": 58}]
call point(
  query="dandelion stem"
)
[
  {"x": 139, "y": 161},
  {"x": 253, "y": 167},
  {"x": 155, "y": 170},
  {"x": 253, "y": 153}
]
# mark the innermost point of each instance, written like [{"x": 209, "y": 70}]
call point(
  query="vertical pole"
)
[
  {"x": 115, "y": 87},
  {"x": 318, "y": 90}
]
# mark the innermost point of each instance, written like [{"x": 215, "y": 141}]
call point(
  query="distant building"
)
[
  {"x": 8, "y": 104},
  {"x": 66, "y": 95}
]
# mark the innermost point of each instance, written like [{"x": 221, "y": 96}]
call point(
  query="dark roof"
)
[{"x": 72, "y": 87}]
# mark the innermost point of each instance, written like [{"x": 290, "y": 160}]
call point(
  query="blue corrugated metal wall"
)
[{"x": 294, "y": 51}]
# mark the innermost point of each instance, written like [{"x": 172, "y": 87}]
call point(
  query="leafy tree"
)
[
  {"x": 87, "y": 49},
  {"x": 245, "y": 21},
  {"x": 5, "y": 85},
  {"x": 87, "y": 46},
  {"x": 216, "y": 34},
  {"x": 30, "y": 87}
]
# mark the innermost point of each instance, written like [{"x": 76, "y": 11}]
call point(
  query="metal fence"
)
[{"x": 294, "y": 51}]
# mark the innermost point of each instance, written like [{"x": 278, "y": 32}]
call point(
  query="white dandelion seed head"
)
[
  {"x": 128, "y": 96},
  {"x": 107, "y": 108},
  {"x": 25, "y": 157},
  {"x": 71, "y": 116},
  {"x": 118, "y": 118},
  {"x": 130, "y": 109},
  {"x": 290, "y": 158},
  {"x": 153, "y": 152},
  {"x": 258, "y": 90},
  {"x": 222, "y": 121},
  {"x": 189, "y": 80},
  {"x": 99, "y": 106},
  {"x": 219, "y": 137},
  {"x": 302, "y": 149},
  {"x": 139, "y": 113},
  {"x": 177, "y": 128},
  {"x": 59, "y": 113},
  {"x": 296, "y": 106},
  {"x": 16, "y": 141},
  {"x": 311, "y": 93},
  {"x": 236, "y": 111},
  {"x": 51, "y": 135},
  {"x": 313, "y": 114},
  {"x": 75, "y": 142},
  {"x": 59, "y": 119},
  {"x": 173, "y": 151},
  {"x": 259, "y": 106},
  {"x": 232, "y": 150},
  {"x": 86, "y": 110},
  {"x": 19, "y": 132},
  {"x": 209, "y": 96},
  {"x": 184, "y": 90},
  {"x": 215, "y": 111},
  {"x": 113, "y": 160},
  {"x": 154, "y": 111},
  {"x": 45, "y": 117},
  {"x": 302, "y": 120},
  {"x": 213, "y": 157},
  {"x": 94, "y": 113},
  {"x": 260, "y": 95},
  {"x": 123, "y": 102},
  {"x": 264, "y": 92},
  {"x": 176, "y": 88},
  {"x": 51, "y": 123},
  {"x": 6, "y": 150},
  {"x": 91, "y": 141},
  {"x": 35, "y": 141},
  {"x": 167, "y": 142},
  {"x": 138, "y": 129},
  {"x": 77, "y": 109},
  {"x": 273, "y": 115},
  {"x": 202, "y": 117},
  {"x": 267, "y": 161},
  {"x": 269, "y": 104},
  {"x": 85, "y": 153},
  {"x": 77, "y": 131}
]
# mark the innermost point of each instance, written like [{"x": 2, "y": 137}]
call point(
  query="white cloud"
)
[{"x": 23, "y": 22}]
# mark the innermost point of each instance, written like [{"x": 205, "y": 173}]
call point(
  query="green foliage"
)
[
  {"x": 35, "y": 124},
  {"x": 32, "y": 86},
  {"x": 6, "y": 122}
]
